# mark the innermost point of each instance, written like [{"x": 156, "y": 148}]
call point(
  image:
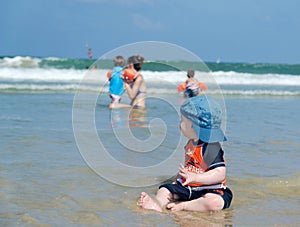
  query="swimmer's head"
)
[{"x": 190, "y": 73}]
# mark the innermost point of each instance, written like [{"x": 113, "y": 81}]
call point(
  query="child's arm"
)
[{"x": 213, "y": 176}]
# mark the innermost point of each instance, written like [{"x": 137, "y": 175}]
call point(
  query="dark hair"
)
[
  {"x": 190, "y": 73},
  {"x": 137, "y": 61}
]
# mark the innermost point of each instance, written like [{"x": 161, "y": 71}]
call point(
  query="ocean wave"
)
[
  {"x": 74, "y": 63},
  {"x": 236, "y": 78},
  {"x": 38, "y": 87},
  {"x": 101, "y": 89},
  {"x": 38, "y": 74},
  {"x": 56, "y": 59},
  {"x": 25, "y": 62},
  {"x": 32, "y": 78},
  {"x": 19, "y": 62},
  {"x": 259, "y": 92},
  {"x": 169, "y": 77}
]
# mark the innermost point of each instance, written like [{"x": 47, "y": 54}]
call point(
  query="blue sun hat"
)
[{"x": 206, "y": 117}]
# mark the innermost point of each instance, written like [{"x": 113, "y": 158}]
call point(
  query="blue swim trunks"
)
[{"x": 186, "y": 193}]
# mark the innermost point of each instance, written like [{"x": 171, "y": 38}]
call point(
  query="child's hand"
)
[
  {"x": 189, "y": 176},
  {"x": 126, "y": 85}
]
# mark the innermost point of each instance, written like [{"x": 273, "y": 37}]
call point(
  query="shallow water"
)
[{"x": 44, "y": 180}]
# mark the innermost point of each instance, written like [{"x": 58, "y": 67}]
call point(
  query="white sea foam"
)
[
  {"x": 18, "y": 62},
  {"x": 221, "y": 78},
  {"x": 235, "y": 78},
  {"x": 39, "y": 74},
  {"x": 232, "y": 83}
]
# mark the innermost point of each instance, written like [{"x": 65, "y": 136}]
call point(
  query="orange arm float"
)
[
  {"x": 181, "y": 87},
  {"x": 202, "y": 86},
  {"x": 129, "y": 74},
  {"x": 108, "y": 75}
]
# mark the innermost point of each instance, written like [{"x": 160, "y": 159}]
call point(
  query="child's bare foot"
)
[
  {"x": 175, "y": 206},
  {"x": 146, "y": 202}
]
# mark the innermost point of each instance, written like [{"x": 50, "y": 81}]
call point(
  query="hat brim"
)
[{"x": 211, "y": 135}]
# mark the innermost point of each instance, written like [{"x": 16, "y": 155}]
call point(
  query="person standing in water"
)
[
  {"x": 90, "y": 53},
  {"x": 191, "y": 87},
  {"x": 134, "y": 82},
  {"x": 116, "y": 83}
]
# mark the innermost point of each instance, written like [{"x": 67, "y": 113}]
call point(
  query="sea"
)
[{"x": 68, "y": 160}]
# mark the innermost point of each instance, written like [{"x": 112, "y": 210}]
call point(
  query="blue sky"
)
[{"x": 229, "y": 30}]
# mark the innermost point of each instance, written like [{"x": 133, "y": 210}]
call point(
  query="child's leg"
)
[
  {"x": 209, "y": 202},
  {"x": 162, "y": 197}
]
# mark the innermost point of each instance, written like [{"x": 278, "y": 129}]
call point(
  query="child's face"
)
[{"x": 187, "y": 129}]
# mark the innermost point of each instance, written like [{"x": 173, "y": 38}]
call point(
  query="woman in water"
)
[{"x": 134, "y": 82}]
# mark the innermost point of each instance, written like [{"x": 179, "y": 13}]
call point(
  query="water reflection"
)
[{"x": 134, "y": 117}]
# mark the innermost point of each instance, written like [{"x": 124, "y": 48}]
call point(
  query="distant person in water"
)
[
  {"x": 192, "y": 87},
  {"x": 90, "y": 53},
  {"x": 116, "y": 83},
  {"x": 134, "y": 81}
]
